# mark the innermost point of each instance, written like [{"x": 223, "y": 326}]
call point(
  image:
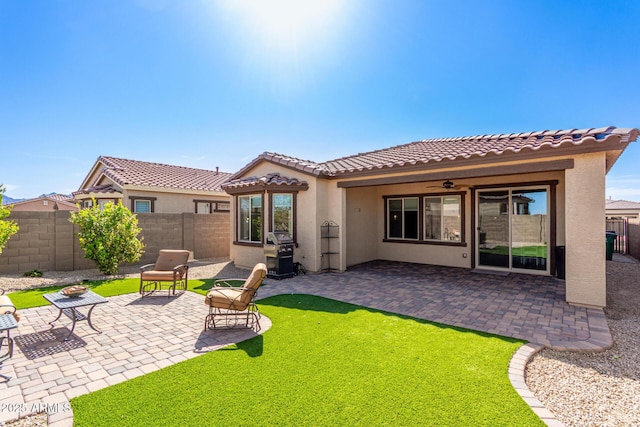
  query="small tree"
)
[
  {"x": 108, "y": 236},
  {"x": 7, "y": 228}
]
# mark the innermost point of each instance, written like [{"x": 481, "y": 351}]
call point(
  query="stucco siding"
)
[
  {"x": 363, "y": 217},
  {"x": 171, "y": 202},
  {"x": 310, "y": 213},
  {"x": 585, "y": 231}
]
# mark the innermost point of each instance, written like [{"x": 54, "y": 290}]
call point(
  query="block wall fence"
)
[
  {"x": 47, "y": 241},
  {"x": 633, "y": 240}
]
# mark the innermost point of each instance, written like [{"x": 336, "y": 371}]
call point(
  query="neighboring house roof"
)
[
  {"x": 622, "y": 204},
  {"x": 272, "y": 180},
  {"x": 439, "y": 150},
  {"x": 59, "y": 199},
  {"x": 126, "y": 172}
]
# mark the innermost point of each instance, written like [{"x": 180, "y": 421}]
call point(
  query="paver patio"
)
[{"x": 141, "y": 335}]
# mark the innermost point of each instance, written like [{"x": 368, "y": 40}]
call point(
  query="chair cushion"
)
[
  {"x": 160, "y": 276},
  {"x": 224, "y": 297},
  {"x": 6, "y": 301},
  {"x": 256, "y": 277},
  {"x": 169, "y": 258}
]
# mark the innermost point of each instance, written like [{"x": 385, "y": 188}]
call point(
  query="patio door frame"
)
[{"x": 550, "y": 186}]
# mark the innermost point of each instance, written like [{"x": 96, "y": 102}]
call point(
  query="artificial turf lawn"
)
[
  {"x": 326, "y": 363},
  {"x": 107, "y": 288}
]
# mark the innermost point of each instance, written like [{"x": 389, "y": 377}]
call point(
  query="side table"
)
[{"x": 69, "y": 307}]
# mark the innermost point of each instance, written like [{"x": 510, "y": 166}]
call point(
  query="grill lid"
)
[{"x": 279, "y": 238}]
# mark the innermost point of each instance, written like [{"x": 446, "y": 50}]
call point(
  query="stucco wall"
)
[
  {"x": 585, "y": 231},
  {"x": 362, "y": 234},
  {"x": 172, "y": 202},
  {"x": 47, "y": 241},
  {"x": 310, "y": 213}
]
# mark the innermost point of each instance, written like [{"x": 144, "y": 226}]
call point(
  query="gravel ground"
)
[
  {"x": 581, "y": 389},
  {"x": 598, "y": 389}
]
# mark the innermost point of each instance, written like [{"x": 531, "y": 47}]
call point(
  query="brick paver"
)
[{"x": 141, "y": 335}]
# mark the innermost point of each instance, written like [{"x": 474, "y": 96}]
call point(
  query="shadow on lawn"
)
[{"x": 231, "y": 340}]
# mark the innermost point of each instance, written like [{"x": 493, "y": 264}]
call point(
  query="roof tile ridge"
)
[{"x": 144, "y": 162}]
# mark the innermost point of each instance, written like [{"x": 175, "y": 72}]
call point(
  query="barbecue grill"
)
[{"x": 279, "y": 253}]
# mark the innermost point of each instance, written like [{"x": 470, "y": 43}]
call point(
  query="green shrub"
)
[
  {"x": 33, "y": 273},
  {"x": 108, "y": 235},
  {"x": 7, "y": 228}
]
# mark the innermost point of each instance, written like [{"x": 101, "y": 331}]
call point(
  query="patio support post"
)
[{"x": 585, "y": 231}]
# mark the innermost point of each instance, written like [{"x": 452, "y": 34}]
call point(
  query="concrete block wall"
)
[
  {"x": 160, "y": 231},
  {"x": 34, "y": 246},
  {"x": 213, "y": 237},
  {"x": 633, "y": 241},
  {"x": 47, "y": 241}
]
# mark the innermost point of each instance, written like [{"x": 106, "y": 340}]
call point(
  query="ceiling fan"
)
[{"x": 448, "y": 185}]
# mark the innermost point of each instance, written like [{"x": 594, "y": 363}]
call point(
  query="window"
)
[
  {"x": 203, "y": 207},
  {"x": 250, "y": 218},
  {"x": 430, "y": 219},
  {"x": 442, "y": 218},
  {"x": 101, "y": 203},
  {"x": 45, "y": 202},
  {"x": 282, "y": 212},
  {"x": 141, "y": 206},
  {"x": 223, "y": 207},
  {"x": 402, "y": 214},
  {"x": 87, "y": 203}
]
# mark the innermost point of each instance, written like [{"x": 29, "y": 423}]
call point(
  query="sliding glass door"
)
[{"x": 513, "y": 229}]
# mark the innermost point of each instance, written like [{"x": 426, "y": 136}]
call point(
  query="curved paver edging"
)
[{"x": 517, "y": 369}]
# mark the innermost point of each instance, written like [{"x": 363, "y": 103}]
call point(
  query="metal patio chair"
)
[
  {"x": 170, "y": 270},
  {"x": 9, "y": 318},
  {"x": 232, "y": 301}
]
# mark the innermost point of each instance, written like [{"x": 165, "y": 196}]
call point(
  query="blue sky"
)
[{"x": 206, "y": 83}]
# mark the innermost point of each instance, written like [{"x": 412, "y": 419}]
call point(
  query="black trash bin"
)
[
  {"x": 611, "y": 239},
  {"x": 560, "y": 262}
]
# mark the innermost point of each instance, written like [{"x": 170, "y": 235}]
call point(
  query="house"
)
[
  {"x": 146, "y": 187},
  {"x": 45, "y": 203},
  {"x": 499, "y": 203},
  {"x": 623, "y": 209}
]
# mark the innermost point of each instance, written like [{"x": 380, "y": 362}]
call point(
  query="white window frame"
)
[{"x": 135, "y": 205}]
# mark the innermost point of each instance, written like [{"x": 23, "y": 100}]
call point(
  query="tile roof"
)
[
  {"x": 270, "y": 180},
  {"x": 98, "y": 189},
  {"x": 59, "y": 197},
  {"x": 62, "y": 198},
  {"x": 622, "y": 204},
  {"x": 138, "y": 173},
  {"x": 443, "y": 149}
]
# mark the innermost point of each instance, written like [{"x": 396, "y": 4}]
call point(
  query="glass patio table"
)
[{"x": 69, "y": 307}]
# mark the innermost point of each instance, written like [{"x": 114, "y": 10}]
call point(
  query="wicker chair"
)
[
  {"x": 170, "y": 271},
  {"x": 232, "y": 302}
]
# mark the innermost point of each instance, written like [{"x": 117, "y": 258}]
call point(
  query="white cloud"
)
[{"x": 624, "y": 187}]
